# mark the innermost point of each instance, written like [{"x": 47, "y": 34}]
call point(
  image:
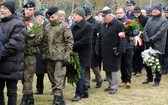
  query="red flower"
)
[{"x": 128, "y": 22}]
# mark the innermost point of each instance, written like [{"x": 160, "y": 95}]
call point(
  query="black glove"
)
[
  {"x": 65, "y": 63},
  {"x": 97, "y": 53},
  {"x": 115, "y": 51}
]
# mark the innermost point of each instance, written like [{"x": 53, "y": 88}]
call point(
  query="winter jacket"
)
[
  {"x": 12, "y": 59},
  {"x": 155, "y": 33}
]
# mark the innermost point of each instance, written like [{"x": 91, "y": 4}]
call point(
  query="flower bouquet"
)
[
  {"x": 73, "y": 69},
  {"x": 151, "y": 59},
  {"x": 32, "y": 29},
  {"x": 134, "y": 28},
  {"x": 131, "y": 25}
]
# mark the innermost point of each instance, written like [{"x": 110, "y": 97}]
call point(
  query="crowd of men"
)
[{"x": 39, "y": 41}]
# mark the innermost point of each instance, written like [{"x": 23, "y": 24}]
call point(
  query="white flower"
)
[
  {"x": 157, "y": 60},
  {"x": 31, "y": 24}
]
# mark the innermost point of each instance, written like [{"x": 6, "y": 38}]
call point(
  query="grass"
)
[{"x": 138, "y": 94}]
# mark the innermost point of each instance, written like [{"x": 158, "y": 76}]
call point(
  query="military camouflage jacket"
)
[
  {"x": 59, "y": 41},
  {"x": 33, "y": 36}
]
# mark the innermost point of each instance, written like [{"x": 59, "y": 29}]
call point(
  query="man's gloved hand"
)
[
  {"x": 97, "y": 53},
  {"x": 65, "y": 62},
  {"x": 136, "y": 32},
  {"x": 115, "y": 50}
]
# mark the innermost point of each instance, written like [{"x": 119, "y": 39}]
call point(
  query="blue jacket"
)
[{"x": 128, "y": 43}]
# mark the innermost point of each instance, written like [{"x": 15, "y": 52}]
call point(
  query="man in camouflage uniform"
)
[
  {"x": 59, "y": 46},
  {"x": 33, "y": 39}
]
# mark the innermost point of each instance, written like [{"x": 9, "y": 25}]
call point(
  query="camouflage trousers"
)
[
  {"x": 56, "y": 74},
  {"x": 28, "y": 74}
]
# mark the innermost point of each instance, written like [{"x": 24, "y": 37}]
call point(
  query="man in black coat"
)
[
  {"x": 0, "y": 42},
  {"x": 155, "y": 33},
  {"x": 111, "y": 47},
  {"x": 41, "y": 64},
  {"x": 96, "y": 56},
  {"x": 137, "y": 63},
  {"x": 165, "y": 56},
  {"x": 12, "y": 59},
  {"x": 82, "y": 33}
]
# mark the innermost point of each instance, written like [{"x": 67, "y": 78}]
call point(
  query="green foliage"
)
[
  {"x": 33, "y": 31},
  {"x": 131, "y": 25},
  {"x": 73, "y": 69}
]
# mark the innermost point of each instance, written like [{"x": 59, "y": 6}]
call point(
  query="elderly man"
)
[
  {"x": 155, "y": 33},
  {"x": 12, "y": 59},
  {"x": 165, "y": 56},
  {"x": 111, "y": 47},
  {"x": 95, "y": 58},
  {"x": 82, "y": 33},
  {"x": 0, "y": 42},
  {"x": 41, "y": 64}
]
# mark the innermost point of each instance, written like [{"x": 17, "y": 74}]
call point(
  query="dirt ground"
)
[{"x": 138, "y": 94}]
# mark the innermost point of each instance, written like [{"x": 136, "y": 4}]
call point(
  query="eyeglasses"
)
[{"x": 119, "y": 12}]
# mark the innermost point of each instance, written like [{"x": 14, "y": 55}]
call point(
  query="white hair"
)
[{"x": 61, "y": 12}]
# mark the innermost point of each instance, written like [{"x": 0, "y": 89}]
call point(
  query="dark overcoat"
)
[
  {"x": 12, "y": 59},
  {"x": 109, "y": 42},
  {"x": 82, "y": 33},
  {"x": 95, "y": 58},
  {"x": 0, "y": 42}
]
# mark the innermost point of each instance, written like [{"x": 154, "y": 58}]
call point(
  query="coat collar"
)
[
  {"x": 81, "y": 23},
  {"x": 112, "y": 22}
]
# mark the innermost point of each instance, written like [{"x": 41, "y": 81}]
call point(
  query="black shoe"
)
[
  {"x": 58, "y": 100},
  {"x": 85, "y": 96},
  {"x": 88, "y": 86},
  {"x": 147, "y": 81},
  {"x": 164, "y": 72},
  {"x": 24, "y": 100},
  {"x": 38, "y": 92},
  {"x": 30, "y": 99},
  {"x": 113, "y": 91},
  {"x": 27, "y": 99},
  {"x": 156, "y": 84},
  {"x": 77, "y": 98},
  {"x": 99, "y": 84},
  {"x": 107, "y": 89}
]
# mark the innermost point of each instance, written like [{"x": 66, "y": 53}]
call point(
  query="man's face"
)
[
  {"x": 120, "y": 13},
  {"x": 107, "y": 18},
  {"x": 54, "y": 16},
  {"x": 62, "y": 17},
  {"x": 77, "y": 18},
  {"x": 130, "y": 7},
  {"x": 155, "y": 12},
  {"x": 29, "y": 11},
  {"x": 165, "y": 14},
  {"x": 137, "y": 14},
  {"x": 39, "y": 18},
  {"x": 4, "y": 12}
]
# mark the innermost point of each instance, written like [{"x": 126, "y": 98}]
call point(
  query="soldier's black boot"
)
[
  {"x": 24, "y": 99},
  {"x": 58, "y": 100},
  {"x": 30, "y": 99}
]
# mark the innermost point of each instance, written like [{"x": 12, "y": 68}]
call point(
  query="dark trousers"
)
[
  {"x": 158, "y": 74},
  {"x": 137, "y": 61},
  {"x": 40, "y": 82},
  {"x": 126, "y": 66},
  {"x": 11, "y": 91},
  {"x": 165, "y": 63},
  {"x": 81, "y": 87}
]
